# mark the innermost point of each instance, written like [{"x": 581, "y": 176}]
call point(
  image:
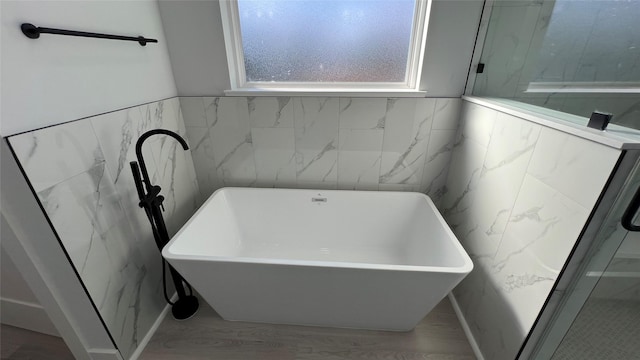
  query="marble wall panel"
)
[
  {"x": 568, "y": 163},
  {"x": 334, "y": 143},
  {"x": 230, "y": 134},
  {"x": 517, "y": 196},
  {"x": 467, "y": 159},
  {"x": 270, "y": 112},
  {"x": 508, "y": 155},
  {"x": 543, "y": 227},
  {"x": 406, "y": 138},
  {"x": 81, "y": 174},
  {"x": 275, "y": 156},
  {"x": 360, "y": 157},
  {"x": 316, "y": 140}
]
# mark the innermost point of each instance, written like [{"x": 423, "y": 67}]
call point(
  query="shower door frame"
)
[{"x": 592, "y": 253}]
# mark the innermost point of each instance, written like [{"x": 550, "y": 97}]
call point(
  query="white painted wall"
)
[
  {"x": 19, "y": 305},
  {"x": 60, "y": 78},
  {"x": 196, "y": 46},
  {"x": 193, "y": 30},
  {"x": 12, "y": 285},
  {"x": 450, "y": 40}
]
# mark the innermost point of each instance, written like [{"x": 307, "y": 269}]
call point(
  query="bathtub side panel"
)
[{"x": 318, "y": 296}]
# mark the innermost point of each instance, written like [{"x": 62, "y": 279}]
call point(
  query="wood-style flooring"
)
[
  {"x": 21, "y": 344},
  {"x": 206, "y": 336}
]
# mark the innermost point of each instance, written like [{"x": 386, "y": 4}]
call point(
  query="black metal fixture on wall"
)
[
  {"x": 151, "y": 201},
  {"x": 631, "y": 212},
  {"x": 33, "y": 32}
]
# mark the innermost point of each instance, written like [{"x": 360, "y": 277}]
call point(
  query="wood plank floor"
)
[
  {"x": 206, "y": 336},
  {"x": 21, "y": 344}
]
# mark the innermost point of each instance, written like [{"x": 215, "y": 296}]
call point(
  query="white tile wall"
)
[
  {"x": 517, "y": 196},
  {"x": 316, "y": 139},
  {"x": 542, "y": 229},
  {"x": 334, "y": 143},
  {"x": 362, "y": 113},
  {"x": 271, "y": 112},
  {"x": 75, "y": 154},
  {"x": 81, "y": 173},
  {"x": 508, "y": 154},
  {"x": 360, "y": 157},
  {"x": 275, "y": 155},
  {"x": 567, "y": 163},
  {"x": 407, "y": 129}
]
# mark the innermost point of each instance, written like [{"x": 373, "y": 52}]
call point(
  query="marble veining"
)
[
  {"x": 34, "y": 148},
  {"x": 316, "y": 139},
  {"x": 274, "y": 151},
  {"x": 267, "y": 112},
  {"x": 231, "y": 142},
  {"x": 517, "y": 196},
  {"x": 82, "y": 178},
  {"x": 319, "y": 142},
  {"x": 407, "y": 129},
  {"x": 362, "y": 113},
  {"x": 359, "y": 161}
]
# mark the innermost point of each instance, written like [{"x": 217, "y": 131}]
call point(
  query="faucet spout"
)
[
  {"x": 151, "y": 201},
  {"x": 141, "y": 140}
]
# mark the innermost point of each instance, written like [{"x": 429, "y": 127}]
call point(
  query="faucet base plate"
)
[{"x": 185, "y": 307}]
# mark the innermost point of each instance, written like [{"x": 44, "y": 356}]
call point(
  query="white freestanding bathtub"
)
[{"x": 367, "y": 260}]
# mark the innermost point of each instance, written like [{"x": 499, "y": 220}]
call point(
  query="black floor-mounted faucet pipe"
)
[{"x": 151, "y": 202}]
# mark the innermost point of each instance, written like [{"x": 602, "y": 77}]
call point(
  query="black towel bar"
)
[{"x": 33, "y": 32}]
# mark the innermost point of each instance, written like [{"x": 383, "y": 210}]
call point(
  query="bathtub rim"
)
[{"x": 466, "y": 268}]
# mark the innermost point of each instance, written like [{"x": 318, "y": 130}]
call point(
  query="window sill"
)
[{"x": 382, "y": 93}]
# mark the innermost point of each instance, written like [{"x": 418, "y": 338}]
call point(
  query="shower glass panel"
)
[
  {"x": 598, "y": 312},
  {"x": 574, "y": 56},
  {"x": 608, "y": 325}
]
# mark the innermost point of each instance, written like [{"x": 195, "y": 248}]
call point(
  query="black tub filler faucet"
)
[{"x": 151, "y": 201}]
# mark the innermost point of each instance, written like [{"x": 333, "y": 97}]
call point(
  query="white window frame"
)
[{"x": 241, "y": 87}]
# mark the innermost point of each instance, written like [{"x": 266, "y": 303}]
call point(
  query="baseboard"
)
[
  {"x": 145, "y": 340},
  {"x": 104, "y": 354},
  {"x": 465, "y": 327},
  {"x": 27, "y": 315}
]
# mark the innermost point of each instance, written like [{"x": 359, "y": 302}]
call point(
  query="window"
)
[{"x": 325, "y": 45}]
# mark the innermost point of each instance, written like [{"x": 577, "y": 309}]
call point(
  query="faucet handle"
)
[{"x": 161, "y": 202}]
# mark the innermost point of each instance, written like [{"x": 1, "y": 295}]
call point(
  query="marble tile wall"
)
[
  {"x": 80, "y": 172},
  {"x": 517, "y": 196},
  {"x": 328, "y": 143}
]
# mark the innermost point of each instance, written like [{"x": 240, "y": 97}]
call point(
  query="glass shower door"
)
[
  {"x": 600, "y": 319},
  {"x": 608, "y": 325},
  {"x": 566, "y": 55}
]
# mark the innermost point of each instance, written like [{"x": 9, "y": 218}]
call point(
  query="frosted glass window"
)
[
  {"x": 326, "y": 41},
  {"x": 325, "y": 45}
]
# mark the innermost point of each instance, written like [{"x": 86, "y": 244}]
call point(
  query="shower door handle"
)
[{"x": 630, "y": 213}]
